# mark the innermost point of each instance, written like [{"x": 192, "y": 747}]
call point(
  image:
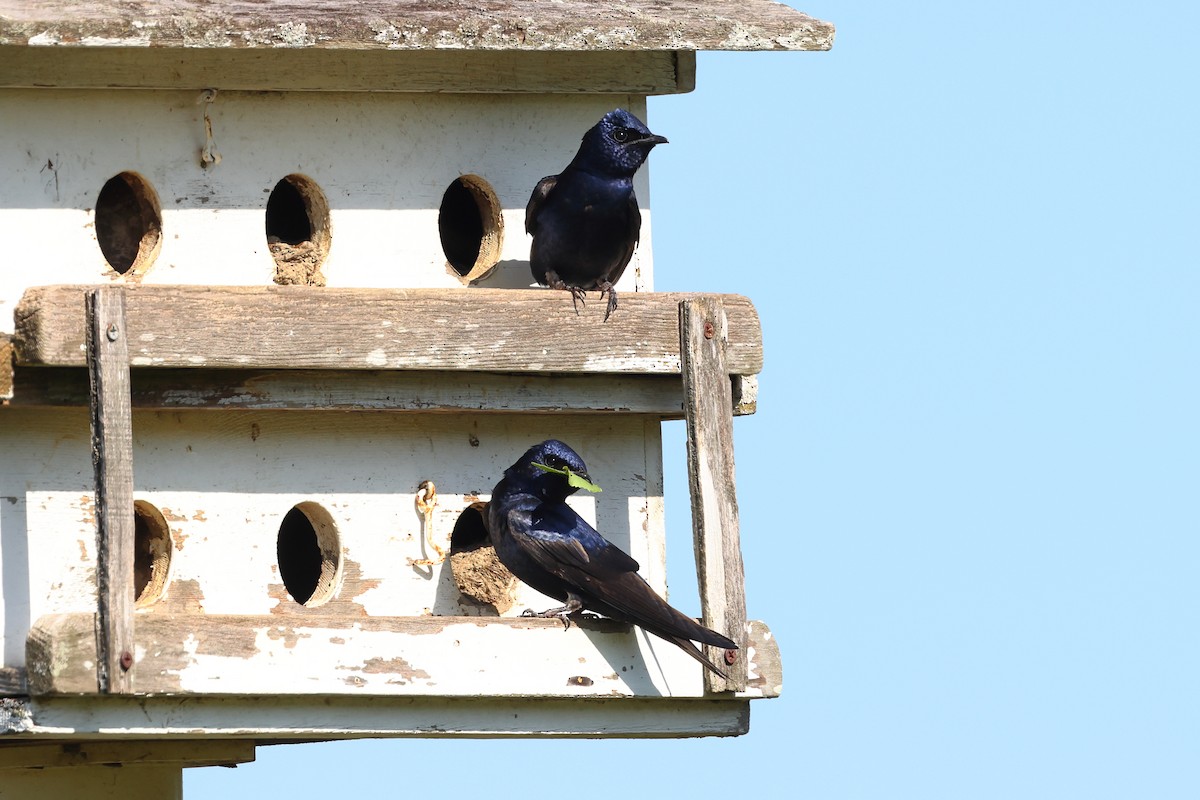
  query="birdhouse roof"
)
[{"x": 499, "y": 25}]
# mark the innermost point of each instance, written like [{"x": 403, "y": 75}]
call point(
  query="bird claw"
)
[
  {"x": 577, "y": 294},
  {"x": 562, "y": 612},
  {"x": 606, "y": 288}
]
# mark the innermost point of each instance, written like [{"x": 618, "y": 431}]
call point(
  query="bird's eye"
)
[{"x": 621, "y": 135}]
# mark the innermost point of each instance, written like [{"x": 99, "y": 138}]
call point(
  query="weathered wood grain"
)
[
  {"x": 365, "y": 390},
  {"x": 297, "y": 327},
  {"x": 277, "y": 718},
  {"x": 652, "y": 72},
  {"x": 112, "y": 456},
  {"x": 415, "y": 25},
  {"x": 703, "y": 328},
  {"x": 12, "y": 682},
  {"x": 6, "y": 367},
  {"x": 206, "y": 654},
  {"x": 183, "y": 753}
]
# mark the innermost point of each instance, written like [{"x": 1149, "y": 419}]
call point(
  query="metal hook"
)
[{"x": 208, "y": 155}]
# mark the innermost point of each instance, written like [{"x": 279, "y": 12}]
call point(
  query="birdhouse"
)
[{"x": 268, "y": 342}]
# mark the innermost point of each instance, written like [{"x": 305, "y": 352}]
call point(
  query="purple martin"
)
[
  {"x": 548, "y": 546},
  {"x": 585, "y": 221}
]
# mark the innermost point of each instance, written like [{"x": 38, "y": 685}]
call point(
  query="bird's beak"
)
[{"x": 653, "y": 139}]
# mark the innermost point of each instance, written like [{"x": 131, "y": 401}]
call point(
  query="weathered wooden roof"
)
[{"x": 522, "y": 25}]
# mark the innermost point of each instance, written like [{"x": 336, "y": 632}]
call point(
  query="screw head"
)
[
  {"x": 730, "y": 657},
  {"x": 709, "y": 330},
  {"x": 112, "y": 332},
  {"x": 126, "y": 660}
]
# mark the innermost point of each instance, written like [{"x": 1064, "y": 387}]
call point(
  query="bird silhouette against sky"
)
[
  {"x": 548, "y": 546},
  {"x": 585, "y": 221}
]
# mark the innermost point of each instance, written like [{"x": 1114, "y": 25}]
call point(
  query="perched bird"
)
[
  {"x": 548, "y": 546},
  {"x": 585, "y": 221}
]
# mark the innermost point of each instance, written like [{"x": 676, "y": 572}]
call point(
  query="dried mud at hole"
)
[{"x": 297, "y": 264}]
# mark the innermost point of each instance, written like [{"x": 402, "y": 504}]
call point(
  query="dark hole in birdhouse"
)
[
  {"x": 298, "y": 231},
  {"x": 309, "y": 553},
  {"x": 471, "y": 228},
  {"x": 128, "y": 223},
  {"x": 469, "y": 530},
  {"x": 486, "y": 585},
  {"x": 151, "y": 553}
]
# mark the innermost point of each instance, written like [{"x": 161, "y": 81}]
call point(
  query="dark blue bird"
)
[
  {"x": 548, "y": 546},
  {"x": 585, "y": 221}
]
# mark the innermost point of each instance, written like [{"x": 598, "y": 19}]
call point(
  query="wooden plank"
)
[
  {"x": 181, "y": 753},
  {"x": 299, "y": 327},
  {"x": 387, "y": 24},
  {"x": 365, "y": 390},
  {"x": 655, "y": 72},
  {"x": 278, "y": 718},
  {"x": 703, "y": 328},
  {"x": 12, "y": 682},
  {"x": 6, "y": 367},
  {"x": 112, "y": 456},
  {"x": 337, "y": 654}
]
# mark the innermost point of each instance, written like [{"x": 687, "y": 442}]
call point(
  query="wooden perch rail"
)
[
  {"x": 288, "y": 327},
  {"x": 211, "y": 654}
]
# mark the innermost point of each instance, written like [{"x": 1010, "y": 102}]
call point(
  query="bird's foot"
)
[
  {"x": 577, "y": 297},
  {"x": 577, "y": 294},
  {"x": 606, "y": 288},
  {"x": 574, "y": 605}
]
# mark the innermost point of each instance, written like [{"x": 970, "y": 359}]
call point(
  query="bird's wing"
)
[
  {"x": 562, "y": 542},
  {"x": 633, "y": 232},
  {"x": 540, "y": 193},
  {"x": 565, "y": 545}
]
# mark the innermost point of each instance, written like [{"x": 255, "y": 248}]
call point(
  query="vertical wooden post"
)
[
  {"x": 112, "y": 457},
  {"x": 708, "y": 407}
]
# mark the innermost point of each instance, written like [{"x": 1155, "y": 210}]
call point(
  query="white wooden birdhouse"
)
[{"x": 267, "y": 342}]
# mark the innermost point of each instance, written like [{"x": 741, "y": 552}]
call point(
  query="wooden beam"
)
[
  {"x": 703, "y": 331},
  {"x": 12, "y": 682},
  {"x": 300, "y": 327},
  {"x": 647, "y": 72},
  {"x": 6, "y": 367},
  {"x": 328, "y": 654},
  {"x": 381, "y": 25},
  {"x": 365, "y": 390},
  {"x": 277, "y": 718},
  {"x": 182, "y": 753},
  {"x": 112, "y": 456}
]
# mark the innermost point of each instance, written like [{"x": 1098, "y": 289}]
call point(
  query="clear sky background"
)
[{"x": 971, "y": 495}]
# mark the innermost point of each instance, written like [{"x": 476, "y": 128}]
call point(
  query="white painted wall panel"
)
[
  {"x": 382, "y": 160},
  {"x": 225, "y": 480}
]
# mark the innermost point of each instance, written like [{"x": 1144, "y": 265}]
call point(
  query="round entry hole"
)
[
  {"x": 298, "y": 233},
  {"x": 471, "y": 227},
  {"x": 128, "y": 223},
  {"x": 151, "y": 553},
  {"x": 310, "y": 554}
]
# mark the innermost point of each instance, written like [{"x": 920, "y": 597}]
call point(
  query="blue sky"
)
[{"x": 970, "y": 496}]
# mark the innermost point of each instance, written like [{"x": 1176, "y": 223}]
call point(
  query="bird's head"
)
[
  {"x": 617, "y": 145},
  {"x": 554, "y": 469}
]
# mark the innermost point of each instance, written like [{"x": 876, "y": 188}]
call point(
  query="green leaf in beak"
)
[{"x": 573, "y": 479}]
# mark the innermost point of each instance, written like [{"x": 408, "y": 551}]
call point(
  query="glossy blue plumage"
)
[
  {"x": 585, "y": 221},
  {"x": 548, "y": 546}
]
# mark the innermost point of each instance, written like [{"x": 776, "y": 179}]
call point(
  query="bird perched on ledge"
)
[
  {"x": 585, "y": 221},
  {"x": 548, "y": 546}
]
